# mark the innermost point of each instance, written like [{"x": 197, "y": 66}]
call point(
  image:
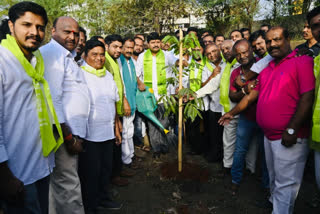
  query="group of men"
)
[{"x": 69, "y": 119}]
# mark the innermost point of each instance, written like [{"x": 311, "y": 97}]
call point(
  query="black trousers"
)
[
  {"x": 215, "y": 146},
  {"x": 117, "y": 160},
  {"x": 95, "y": 169},
  {"x": 195, "y": 138}
]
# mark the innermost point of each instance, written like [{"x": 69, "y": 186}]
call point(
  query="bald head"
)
[
  {"x": 243, "y": 52},
  {"x": 226, "y": 48},
  {"x": 65, "y": 31}
]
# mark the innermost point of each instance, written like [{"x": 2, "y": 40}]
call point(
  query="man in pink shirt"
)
[{"x": 285, "y": 90}]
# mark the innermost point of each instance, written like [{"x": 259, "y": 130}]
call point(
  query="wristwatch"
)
[
  {"x": 291, "y": 131},
  {"x": 243, "y": 78}
]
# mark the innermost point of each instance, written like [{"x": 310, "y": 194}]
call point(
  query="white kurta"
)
[
  {"x": 71, "y": 100},
  {"x": 103, "y": 96},
  {"x": 170, "y": 60}
]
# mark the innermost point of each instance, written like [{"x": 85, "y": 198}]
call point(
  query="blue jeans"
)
[{"x": 245, "y": 131}]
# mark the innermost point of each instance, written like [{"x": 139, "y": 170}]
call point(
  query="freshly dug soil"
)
[{"x": 190, "y": 172}]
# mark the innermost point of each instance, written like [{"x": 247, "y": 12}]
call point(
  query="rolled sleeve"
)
[
  {"x": 261, "y": 64},
  {"x": 210, "y": 87}
]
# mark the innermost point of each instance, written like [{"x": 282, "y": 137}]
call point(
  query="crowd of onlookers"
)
[{"x": 70, "y": 123}]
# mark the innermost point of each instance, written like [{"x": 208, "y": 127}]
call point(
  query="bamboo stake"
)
[{"x": 180, "y": 104}]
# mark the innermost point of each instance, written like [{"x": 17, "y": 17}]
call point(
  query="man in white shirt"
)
[
  {"x": 129, "y": 80},
  {"x": 95, "y": 163},
  {"x": 70, "y": 96},
  {"x": 150, "y": 72},
  {"x": 25, "y": 165},
  {"x": 215, "y": 146}
]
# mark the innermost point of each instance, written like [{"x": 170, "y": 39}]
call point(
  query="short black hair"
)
[
  {"x": 4, "y": 29},
  {"x": 244, "y": 30},
  {"x": 192, "y": 29},
  {"x": 96, "y": 37},
  {"x": 314, "y": 12},
  {"x": 19, "y": 9},
  {"x": 112, "y": 38},
  {"x": 129, "y": 39},
  {"x": 236, "y": 30},
  {"x": 137, "y": 37},
  {"x": 92, "y": 44},
  {"x": 285, "y": 31},
  {"x": 81, "y": 29},
  {"x": 153, "y": 36},
  {"x": 208, "y": 35},
  {"x": 218, "y": 35},
  {"x": 265, "y": 25},
  {"x": 255, "y": 35}
]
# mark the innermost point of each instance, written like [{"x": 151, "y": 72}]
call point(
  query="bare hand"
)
[
  {"x": 288, "y": 140},
  {"x": 74, "y": 146},
  {"x": 126, "y": 107},
  {"x": 11, "y": 188},
  {"x": 250, "y": 86},
  {"x": 305, "y": 51},
  {"x": 185, "y": 63},
  {"x": 118, "y": 136},
  {"x": 225, "y": 119},
  {"x": 216, "y": 71},
  {"x": 141, "y": 87}
]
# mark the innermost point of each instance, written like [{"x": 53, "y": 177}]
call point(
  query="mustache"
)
[
  {"x": 37, "y": 38},
  {"x": 156, "y": 47},
  {"x": 274, "y": 48}
]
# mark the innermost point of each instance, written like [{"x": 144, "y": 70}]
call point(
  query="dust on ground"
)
[{"x": 157, "y": 188}]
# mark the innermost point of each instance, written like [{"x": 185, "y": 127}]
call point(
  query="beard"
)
[{"x": 136, "y": 53}]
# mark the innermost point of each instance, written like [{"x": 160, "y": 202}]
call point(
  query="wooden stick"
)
[{"x": 180, "y": 105}]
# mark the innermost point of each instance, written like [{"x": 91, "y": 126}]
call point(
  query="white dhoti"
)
[
  {"x": 65, "y": 190},
  {"x": 127, "y": 145},
  {"x": 229, "y": 142}
]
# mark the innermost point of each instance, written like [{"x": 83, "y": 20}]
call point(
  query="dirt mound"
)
[{"x": 190, "y": 172}]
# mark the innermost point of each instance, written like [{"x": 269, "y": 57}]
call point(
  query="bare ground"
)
[{"x": 150, "y": 192}]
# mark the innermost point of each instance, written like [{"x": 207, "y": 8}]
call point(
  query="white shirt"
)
[
  {"x": 213, "y": 89},
  {"x": 103, "y": 96},
  {"x": 261, "y": 64},
  {"x": 69, "y": 91},
  {"x": 20, "y": 142},
  {"x": 170, "y": 60}
]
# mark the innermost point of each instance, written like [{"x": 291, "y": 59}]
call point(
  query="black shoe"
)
[{"x": 111, "y": 205}]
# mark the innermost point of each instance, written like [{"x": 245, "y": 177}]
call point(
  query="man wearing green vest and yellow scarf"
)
[
  {"x": 153, "y": 68},
  {"x": 27, "y": 142},
  {"x": 114, "y": 45},
  {"x": 229, "y": 131},
  {"x": 314, "y": 22}
]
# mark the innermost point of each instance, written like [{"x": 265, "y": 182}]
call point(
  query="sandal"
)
[{"x": 145, "y": 148}]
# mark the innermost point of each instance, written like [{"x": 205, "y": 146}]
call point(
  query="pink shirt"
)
[
  {"x": 250, "y": 112},
  {"x": 280, "y": 87}
]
